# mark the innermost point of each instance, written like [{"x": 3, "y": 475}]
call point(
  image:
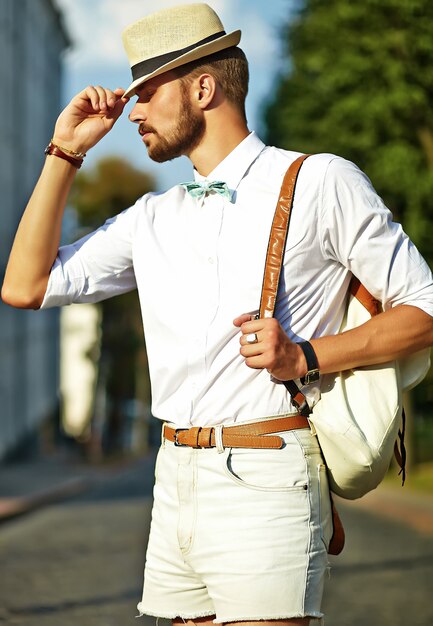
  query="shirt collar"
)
[{"x": 233, "y": 168}]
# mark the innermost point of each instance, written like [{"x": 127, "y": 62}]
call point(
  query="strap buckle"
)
[
  {"x": 176, "y": 440},
  {"x": 312, "y": 376}
]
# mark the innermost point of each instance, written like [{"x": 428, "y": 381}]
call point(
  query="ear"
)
[{"x": 204, "y": 91}]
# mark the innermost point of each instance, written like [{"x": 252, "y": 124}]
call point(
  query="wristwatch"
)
[{"x": 313, "y": 373}]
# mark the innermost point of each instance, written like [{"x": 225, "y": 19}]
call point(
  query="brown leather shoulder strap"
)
[
  {"x": 358, "y": 290},
  {"x": 277, "y": 239},
  {"x": 274, "y": 262}
]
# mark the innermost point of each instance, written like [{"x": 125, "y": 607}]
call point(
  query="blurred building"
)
[
  {"x": 80, "y": 330},
  {"x": 32, "y": 39}
]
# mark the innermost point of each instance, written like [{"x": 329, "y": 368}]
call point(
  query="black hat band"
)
[{"x": 150, "y": 65}]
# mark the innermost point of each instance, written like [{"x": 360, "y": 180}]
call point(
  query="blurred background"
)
[{"x": 353, "y": 78}]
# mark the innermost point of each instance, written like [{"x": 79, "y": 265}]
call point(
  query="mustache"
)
[{"x": 144, "y": 128}]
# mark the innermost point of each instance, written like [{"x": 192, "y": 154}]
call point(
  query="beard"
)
[{"x": 181, "y": 139}]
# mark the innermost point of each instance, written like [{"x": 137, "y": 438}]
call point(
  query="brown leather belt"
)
[{"x": 238, "y": 436}]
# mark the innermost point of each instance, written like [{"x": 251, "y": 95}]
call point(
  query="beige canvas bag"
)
[{"x": 358, "y": 416}]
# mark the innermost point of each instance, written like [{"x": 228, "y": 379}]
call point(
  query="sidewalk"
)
[
  {"x": 28, "y": 485},
  {"x": 401, "y": 504}
]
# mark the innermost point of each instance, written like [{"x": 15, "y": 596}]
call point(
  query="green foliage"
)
[
  {"x": 113, "y": 185},
  {"x": 360, "y": 84}
]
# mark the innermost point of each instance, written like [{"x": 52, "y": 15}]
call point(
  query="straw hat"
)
[{"x": 172, "y": 37}]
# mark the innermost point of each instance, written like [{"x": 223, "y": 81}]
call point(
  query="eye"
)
[
  {"x": 145, "y": 94},
  {"x": 147, "y": 97}
]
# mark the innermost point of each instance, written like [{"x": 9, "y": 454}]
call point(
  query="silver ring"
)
[{"x": 251, "y": 338}]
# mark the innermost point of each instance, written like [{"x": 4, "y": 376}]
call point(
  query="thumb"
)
[
  {"x": 245, "y": 317},
  {"x": 117, "y": 110}
]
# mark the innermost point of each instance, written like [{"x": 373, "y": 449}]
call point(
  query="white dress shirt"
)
[{"x": 198, "y": 264}]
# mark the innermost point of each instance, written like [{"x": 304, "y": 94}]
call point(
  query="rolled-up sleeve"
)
[
  {"x": 96, "y": 267},
  {"x": 360, "y": 233}
]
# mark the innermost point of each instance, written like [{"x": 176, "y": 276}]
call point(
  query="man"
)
[{"x": 238, "y": 533}]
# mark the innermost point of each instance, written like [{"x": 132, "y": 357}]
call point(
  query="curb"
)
[{"x": 15, "y": 506}]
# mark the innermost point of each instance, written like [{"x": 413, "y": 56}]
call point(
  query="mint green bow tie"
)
[{"x": 197, "y": 190}]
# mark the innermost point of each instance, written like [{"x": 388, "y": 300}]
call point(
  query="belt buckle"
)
[{"x": 176, "y": 441}]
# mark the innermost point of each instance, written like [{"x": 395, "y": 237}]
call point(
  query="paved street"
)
[
  {"x": 384, "y": 577},
  {"x": 79, "y": 563}
]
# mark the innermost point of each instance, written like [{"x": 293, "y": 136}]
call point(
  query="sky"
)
[{"x": 96, "y": 56}]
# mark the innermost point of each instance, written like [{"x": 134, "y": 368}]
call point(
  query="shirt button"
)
[{"x": 211, "y": 260}]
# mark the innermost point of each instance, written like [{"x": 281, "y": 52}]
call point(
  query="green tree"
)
[
  {"x": 360, "y": 84},
  {"x": 102, "y": 192},
  {"x": 111, "y": 186}
]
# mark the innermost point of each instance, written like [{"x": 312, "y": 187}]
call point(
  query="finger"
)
[
  {"x": 102, "y": 97},
  {"x": 251, "y": 350},
  {"x": 119, "y": 91},
  {"x": 255, "y": 362},
  {"x": 114, "y": 96},
  {"x": 116, "y": 110},
  {"x": 245, "y": 317},
  {"x": 249, "y": 339},
  {"x": 251, "y": 326},
  {"x": 90, "y": 94}
]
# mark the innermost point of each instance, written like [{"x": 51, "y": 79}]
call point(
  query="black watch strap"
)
[{"x": 313, "y": 373}]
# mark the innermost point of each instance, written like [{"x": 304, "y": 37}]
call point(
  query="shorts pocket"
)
[{"x": 282, "y": 469}]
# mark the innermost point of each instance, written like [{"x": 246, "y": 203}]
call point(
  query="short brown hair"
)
[{"x": 229, "y": 67}]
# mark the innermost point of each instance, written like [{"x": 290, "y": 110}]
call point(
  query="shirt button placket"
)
[{"x": 208, "y": 292}]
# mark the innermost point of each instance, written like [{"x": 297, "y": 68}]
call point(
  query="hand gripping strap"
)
[{"x": 274, "y": 262}]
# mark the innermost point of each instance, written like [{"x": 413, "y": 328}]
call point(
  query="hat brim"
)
[{"x": 226, "y": 41}]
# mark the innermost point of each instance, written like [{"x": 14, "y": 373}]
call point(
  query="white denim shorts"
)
[{"x": 241, "y": 534}]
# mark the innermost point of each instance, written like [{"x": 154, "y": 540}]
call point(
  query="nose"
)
[{"x": 137, "y": 113}]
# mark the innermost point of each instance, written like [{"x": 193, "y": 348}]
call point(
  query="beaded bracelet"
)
[{"x": 77, "y": 155}]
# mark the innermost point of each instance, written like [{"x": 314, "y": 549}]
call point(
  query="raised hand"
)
[{"x": 89, "y": 116}]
